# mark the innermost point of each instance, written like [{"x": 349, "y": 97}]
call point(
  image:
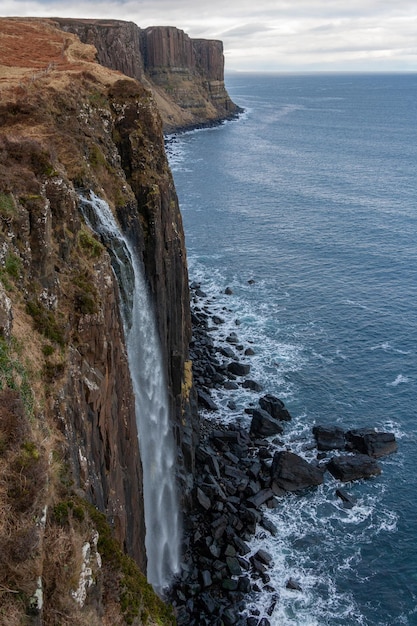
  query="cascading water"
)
[{"x": 156, "y": 440}]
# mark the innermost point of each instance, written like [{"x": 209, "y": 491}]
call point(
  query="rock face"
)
[
  {"x": 69, "y": 125},
  {"x": 186, "y": 76}
]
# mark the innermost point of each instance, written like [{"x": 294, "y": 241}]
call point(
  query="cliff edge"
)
[
  {"x": 185, "y": 76},
  {"x": 72, "y": 522}
]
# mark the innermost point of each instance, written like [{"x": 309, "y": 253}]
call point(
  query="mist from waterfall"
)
[{"x": 156, "y": 440}]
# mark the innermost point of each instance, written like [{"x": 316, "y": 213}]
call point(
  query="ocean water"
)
[{"x": 307, "y": 208}]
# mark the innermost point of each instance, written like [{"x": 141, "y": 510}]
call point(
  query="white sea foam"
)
[
  {"x": 400, "y": 379},
  {"x": 387, "y": 347},
  {"x": 307, "y": 526},
  {"x": 354, "y": 303}
]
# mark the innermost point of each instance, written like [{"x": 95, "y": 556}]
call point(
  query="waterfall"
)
[{"x": 156, "y": 440}]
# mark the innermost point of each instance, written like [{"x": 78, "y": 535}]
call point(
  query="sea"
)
[{"x": 305, "y": 207}]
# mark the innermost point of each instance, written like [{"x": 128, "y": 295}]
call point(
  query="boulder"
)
[
  {"x": 252, "y": 385},
  {"x": 292, "y": 473},
  {"x": 260, "y": 498},
  {"x": 348, "y": 501},
  {"x": 227, "y": 352},
  {"x": 264, "y": 424},
  {"x": 234, "y": 566},
  {"x": 329, "y": 437},
  {"x": 238, "y": 369},
  {"x": 355, "y": 467},
  {"x": 293, "y": 584},
  {"x": 268, "y": 525},
  {"x": 203, "y": 499},
  {"x": 244, "y": 584},
  {"x": 205, "y": 400},
  {"x": 275, "y": 407},
  {"x": 263, "y": 556},
  {"x": 369, "y": 441},
  {"x": 206, "y": 578}
]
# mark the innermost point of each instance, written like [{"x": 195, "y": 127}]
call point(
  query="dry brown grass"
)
[
  {"x": 23, "y": 484},
  {"x": 12, "y": 608},
  {"x": 36, "y": 51},
  {"x": 36, "y": 44}
]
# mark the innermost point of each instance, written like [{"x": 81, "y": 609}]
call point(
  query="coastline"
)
[{"x": 242, "y": 474}]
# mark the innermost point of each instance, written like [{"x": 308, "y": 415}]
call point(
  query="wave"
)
[
  {"x": 401, "y": 379},
  {"x": 387, "y": 347}
]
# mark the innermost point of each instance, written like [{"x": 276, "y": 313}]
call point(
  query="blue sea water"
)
[{"x": 307, "y": 208}]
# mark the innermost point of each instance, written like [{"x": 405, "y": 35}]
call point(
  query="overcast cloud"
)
[{"x": 281, "y": 35}]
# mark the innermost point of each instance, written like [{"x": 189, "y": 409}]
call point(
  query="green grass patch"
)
[
  {"x": 13, "y": 375},
  {"x": 48, "y": 350},
  {"x": 7, "y": 206},
  {"x": 98, "y": 99},
  {"x": 86, "y": 297},
  {"x": 13, "y": 265},
  {"x": 89, "y": 244},
  {"x": 45, "y": 322},
  {"x": 97, "y": 158}
]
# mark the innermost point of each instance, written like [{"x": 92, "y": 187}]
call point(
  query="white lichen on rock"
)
[
  {"x": 6, "y": 314},
  {"x": 91, "y": 562},
  {"x": 36, "y": 601}
]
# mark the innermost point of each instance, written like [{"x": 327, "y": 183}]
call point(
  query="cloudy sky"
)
[{"x": 281, "y": 35}]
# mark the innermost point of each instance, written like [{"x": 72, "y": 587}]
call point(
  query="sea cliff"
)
[
  {"x": 72, "y": 530},
  {"x": 185, "y": 75}
]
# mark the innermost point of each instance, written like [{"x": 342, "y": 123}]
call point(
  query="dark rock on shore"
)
[
  {"x": 206, "y": 401},
  {"x": 238, "y": 369},
  {"x": 364, "y": 440},
  {"x": 275, "y": 407},
  {"x": 232, "y": 486},
  {"x": 239, "y": 475},
  {"x": 293, "y": 584},
  {"x": 264, "y": 425},
  {"x": 357, "y": 466},
  {"x": 252, "y": 384},
  {"x": 292, "y": 473},
  {"x": 369, "y": 441},
  {"x": 348, "y": 501},
  {"x": 329, "y": 437}
]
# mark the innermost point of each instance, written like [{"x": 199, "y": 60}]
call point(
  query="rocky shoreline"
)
[{"x": 240, "y": 474}]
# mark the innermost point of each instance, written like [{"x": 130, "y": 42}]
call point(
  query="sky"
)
[{"x": 269, "y": 35}]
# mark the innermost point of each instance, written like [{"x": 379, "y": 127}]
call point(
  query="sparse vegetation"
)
[
  {"x": 23, "y": 471},
  {"x": 7, "y": 206},
  {"x": 85, "y": 294},
  {"x": 13, "y": 374},
  {"x": 98, "y": 99},
  {"x": 45, "y": 322},
  {"x": 52, "y": 370},
  {"x": 137, "y": 598},
  {"x": 89, "y": 244},
  {"x": 97, "y": 158},
  {"x": 47, "y": 350},
  {"x": 13, "y": 265}
]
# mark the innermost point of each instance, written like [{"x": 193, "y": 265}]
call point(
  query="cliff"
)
[
  {"x": 68, "y": 437},
  {"x": 186, "y": 76}
]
